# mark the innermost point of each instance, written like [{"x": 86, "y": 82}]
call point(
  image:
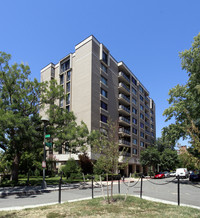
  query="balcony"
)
[
  {"x": 124, "y": 142},
  {"x": 124, "y": 88},
  {"x": 147, "y": 132},
  {"x": 147, "y": 115},
  {"x": 124, "y": 131},
  {"x": 147, "y": 124},
  {"x": 124, "y": 121},
  {"x": 124, "y": 110},
  {"x": 124, "y": 99},
  {"x": 122, "y": 76}
]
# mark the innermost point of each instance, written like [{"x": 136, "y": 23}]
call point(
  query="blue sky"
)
[{"x": 146, "y": 35}]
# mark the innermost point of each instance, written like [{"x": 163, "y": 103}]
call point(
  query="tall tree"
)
[
  {"x": 185, "y": 99},
  {"x": 19, "y": 105},
  {"x": 67, "y": 135}
]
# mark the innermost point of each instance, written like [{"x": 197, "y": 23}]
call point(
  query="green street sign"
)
[
  {"x": 47, "y": 136},
  {"x": 48, "y": 144}
]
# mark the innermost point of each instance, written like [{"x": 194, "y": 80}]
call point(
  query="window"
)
[
  {"x": 105, "y": 58},
  {"x": 142, "y": 134},
  {"x": 142, "y": 144},
  {"x": 141, "y": 107},
  {"x": 65, "y": 66},
  {"x": 104, "y": 80},
  {"x": 152, "y": 119},
  {"x": 104, "y": 68},
  {"x": 104, "y": 118},
  {"x": 152, "y": 126},
  {"x": 68, "y": 108},
  {"x": 61, "y": 79},
  {"x": 134, "y": 81},
  {"x": 104, "y": 105},
  {"x": 134, "y": 131},
  {"x": 104, "y": 93},
  {"x": 134, "y": 91},
  {"x": 68, "y": 87},
  {"x": 141, "y": 98},
  {"x": 134, "y": 110},
  {"x": 68, "y": 99},
  {"x": 134, "y": 151},
  {"x": 142, "y": 116},
  {"x": 135, "y": 141},
  {"x": 142, "y": 125},
  {"x": 141, "y": 89},
  {"x": 134, "y": 121},
  {"x": 68, "y": 75},
  {"x": 134, "y": 101},
  {"x": 61, "y": 102}
]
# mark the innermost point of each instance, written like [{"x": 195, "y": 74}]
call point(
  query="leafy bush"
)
[{"x": 71, "y": 168}]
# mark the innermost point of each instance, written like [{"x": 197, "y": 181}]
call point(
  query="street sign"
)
[
  {"x": 43, "y": 164},
  {"x": 47, "y": 136}
]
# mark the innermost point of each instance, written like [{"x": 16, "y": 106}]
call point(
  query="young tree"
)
[
  {"x": 19, "y": 105},
  {"x": 106, "y": 149}
]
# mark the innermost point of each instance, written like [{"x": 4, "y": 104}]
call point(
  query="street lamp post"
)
[{"x": 44, "y": 184}]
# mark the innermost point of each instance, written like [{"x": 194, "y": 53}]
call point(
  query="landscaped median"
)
[{"x": 132, "y": 207}]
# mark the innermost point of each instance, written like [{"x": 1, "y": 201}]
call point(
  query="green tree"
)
[
  {"x": 169, "y": 159},
  {"x": 19, "y": 105},
  {"x": 185, "y": 99},
  {"x": 150, "y": 157},
  {"x": 105, "y": 147},
  {"x": 65, "y": 132}
]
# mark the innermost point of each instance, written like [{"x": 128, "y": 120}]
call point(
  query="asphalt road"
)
[{"x": 163, "y": 189}]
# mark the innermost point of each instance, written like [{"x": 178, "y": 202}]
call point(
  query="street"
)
[{"x": 163, "y": 189}]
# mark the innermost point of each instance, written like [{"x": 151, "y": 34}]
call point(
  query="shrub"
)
[{"x": 71, "y": 167}]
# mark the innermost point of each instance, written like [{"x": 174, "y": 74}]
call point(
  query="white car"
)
[
  {"x": 172, "y": 174},
  {"x": 182, "y": 173}
]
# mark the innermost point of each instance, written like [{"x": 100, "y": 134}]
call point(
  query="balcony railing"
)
[
  {"x": 124, "y": 76},
  {"x": 124, "y": 119},
  {"x": 124, "y": 97},
  {"x": 124, "y": 108},
  {"x": 124, "y": 86},
  {"x": 122, "y": 141},
  {"x": 124, "y": 130}
]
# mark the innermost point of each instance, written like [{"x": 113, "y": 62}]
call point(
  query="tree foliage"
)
[
  {"x": 19, "y": 105},
  {"x": 185, "y": 99},
  {"x": 105, "y": 147},
  {"x": 65, "y": 132}
]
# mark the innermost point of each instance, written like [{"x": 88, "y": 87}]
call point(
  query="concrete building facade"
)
[{"x": 100, "y": 88}]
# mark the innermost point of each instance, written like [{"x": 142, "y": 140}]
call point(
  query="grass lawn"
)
[{"x": 133, "y": 207}]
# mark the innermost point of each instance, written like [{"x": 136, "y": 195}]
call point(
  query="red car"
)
[{"x": 159, "y": 176}]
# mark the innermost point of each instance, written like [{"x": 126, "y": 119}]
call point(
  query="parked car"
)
[
  {"x": 195, "y": 176},
  {"x": 159, "y": 175},
  {"x": 182, "y": 173},
  {"x": 166, "y": 173},
  {"x": 172, "y": 174}
]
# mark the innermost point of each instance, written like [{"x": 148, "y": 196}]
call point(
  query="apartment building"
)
[{"x": 100, "y": 88}]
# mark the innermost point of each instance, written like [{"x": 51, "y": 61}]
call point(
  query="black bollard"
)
[
  {"x": 141, "y": 186},
  {"x": 59, "y": 191},
  {"x": 92, "y": 187},
  {"x": 119, "y": 184},
  {"x": 178, "y": 190}
]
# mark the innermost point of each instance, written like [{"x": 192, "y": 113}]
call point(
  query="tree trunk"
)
[{"x": 15, "y": 168}]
